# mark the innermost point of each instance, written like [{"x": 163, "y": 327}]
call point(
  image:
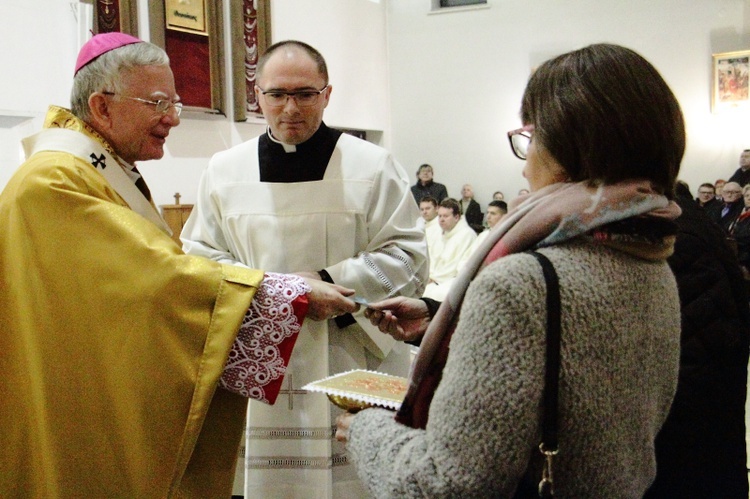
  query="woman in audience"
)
[{"x": 603, "y": 138}]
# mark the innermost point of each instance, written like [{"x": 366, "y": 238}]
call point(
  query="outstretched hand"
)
[
  {"x": 406, "y": 319},
  {"x": 327, "y": 301},
  {"x": 343, "y": 421}
]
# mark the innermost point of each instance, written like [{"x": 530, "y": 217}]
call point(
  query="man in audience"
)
[
  {"x": 471, "y": 209},
  {"x": 425, "y": 186},
  {"x": 115, "y": 344},
  {"x": 718, "y": 186},
  {"x": 495, "y": 212},
  {"x": 496, "y": 209},
  {"x": 428, "y": 206},
  {"x": 454, "y": 243},
  {"x": 742, "y": 175},
  {"x": 306, "y": 198},
  {"x": 707, "y": 196},
  {"x": 727, "y": 211}
]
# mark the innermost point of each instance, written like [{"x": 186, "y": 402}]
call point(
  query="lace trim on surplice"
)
[{"x": 255, "y": 359}]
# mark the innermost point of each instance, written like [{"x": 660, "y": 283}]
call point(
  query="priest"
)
[
  {"x": 336, "y": 208},
  {"x": 126, "y": 365}
]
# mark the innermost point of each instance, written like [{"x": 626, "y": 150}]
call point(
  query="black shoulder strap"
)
[
  {"x": 548, "y": 447},
  {"x": 552, "y": 366},
  {"x": 527, "y": 487}
]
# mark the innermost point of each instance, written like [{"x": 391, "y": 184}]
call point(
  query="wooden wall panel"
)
[{"x": 190, "y": 60}]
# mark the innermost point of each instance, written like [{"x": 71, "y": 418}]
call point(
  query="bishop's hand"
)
[{"x": 327, "y": 301}]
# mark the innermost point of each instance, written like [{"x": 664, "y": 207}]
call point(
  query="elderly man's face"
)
[
  {"x": 447, "y": 219},
  {"x": 291, "y": 69},
  {"x": 732, "y": 192},
  {"x": 136, "y": 130}
]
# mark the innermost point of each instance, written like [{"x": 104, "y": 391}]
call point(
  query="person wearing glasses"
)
[
  {"x": 126, "y": 364},
  {"x": 707, "y": 196},
  {"x": 426, "y": 186},
  {"x": 306, "y": 198},
  {"x": 726, "y": 212},
  {"x": 602, "y": 139}
]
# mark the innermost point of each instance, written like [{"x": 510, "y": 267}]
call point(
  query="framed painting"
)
[
  {"x": 731, "y": 88},
  {"x": 186, "y": 15}
]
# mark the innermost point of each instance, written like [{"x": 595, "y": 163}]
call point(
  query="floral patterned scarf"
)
[{"x": 621, "y": 215}]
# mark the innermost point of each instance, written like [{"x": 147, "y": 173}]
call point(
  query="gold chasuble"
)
[{"x": 113, "y": 340}]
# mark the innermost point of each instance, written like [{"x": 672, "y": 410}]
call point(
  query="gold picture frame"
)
[
  {"x": 731, "y": 83},
  {"x": 186, "y": 15}
]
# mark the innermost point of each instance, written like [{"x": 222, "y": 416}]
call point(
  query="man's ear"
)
[{"x": 100, "y": 111}]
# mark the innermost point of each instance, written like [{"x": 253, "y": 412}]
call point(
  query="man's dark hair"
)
[
  {"x": 429, "y": 199},
  {"x": 311, "y": 51},
  {"x": 606, "y": 115},
  {"x": 499, "y": 204},
  {"x": 452, "y": 204}
]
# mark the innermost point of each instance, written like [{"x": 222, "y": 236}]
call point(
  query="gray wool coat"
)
[{"x": 620, "y": 354}]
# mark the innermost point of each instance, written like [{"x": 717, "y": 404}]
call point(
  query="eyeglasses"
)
[
  {"x": 162, "y": 105},
  {"x": 303, "y": 98},
  {"x": 519, "y": 141}
]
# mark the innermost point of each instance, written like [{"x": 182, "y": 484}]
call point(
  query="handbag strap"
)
[{"x": 548, "y": 447}]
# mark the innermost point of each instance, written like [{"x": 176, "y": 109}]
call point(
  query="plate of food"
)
[{"x": 360, "y": 389}]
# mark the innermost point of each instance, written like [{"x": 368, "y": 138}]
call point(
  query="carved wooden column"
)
[{"x": 116, "y": 15}]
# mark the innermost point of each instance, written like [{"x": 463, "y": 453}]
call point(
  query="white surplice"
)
[
  {"x": 448, "y": 251},
  {"x": 433, "y": 233},
  {"x": 357, "y": 223}
]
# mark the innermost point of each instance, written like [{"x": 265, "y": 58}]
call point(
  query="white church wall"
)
[
  {"x": 442, "y": 88},
  {"x": 45, "y": 35},
  {"x": 457, "y": 78}
]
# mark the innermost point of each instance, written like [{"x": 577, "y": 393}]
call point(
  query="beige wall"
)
[{"x": 457, "y": 79}]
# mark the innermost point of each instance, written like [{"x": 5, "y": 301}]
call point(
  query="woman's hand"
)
[
  {"x": 406, "y": 319},
  {"x": 342, "y": 426}
]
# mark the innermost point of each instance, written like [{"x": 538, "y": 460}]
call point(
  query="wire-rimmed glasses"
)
[
  {"x": 162, "y": 105},
  {"x": 303, "y": 98},
  {"x": 519, "y": 141}
]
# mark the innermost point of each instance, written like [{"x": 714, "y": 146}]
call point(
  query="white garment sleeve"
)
[
  {"x": 395, "y": 259},
  {"x": 202, "y": 234}
]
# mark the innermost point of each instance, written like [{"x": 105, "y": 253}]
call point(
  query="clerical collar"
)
[
  {"x": 287, "y": 147},
  {"x": 306, "y": 163}
]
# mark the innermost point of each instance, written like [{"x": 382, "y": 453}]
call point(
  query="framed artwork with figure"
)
[{"x": 731, "y": 88}]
